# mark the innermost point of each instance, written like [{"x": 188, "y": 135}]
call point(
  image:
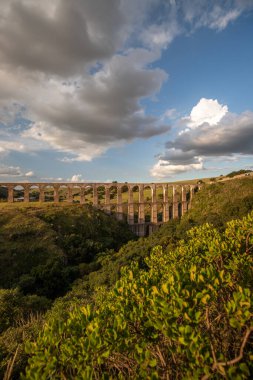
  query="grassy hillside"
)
[
  {"x": 43, "y": 249},
  {"x": 50, "y": 244},
  {"x": 220, "y": 202}
]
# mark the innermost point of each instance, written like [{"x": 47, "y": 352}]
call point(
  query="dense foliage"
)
[
  {"x": 43, "y": 249},
  {"x": 41, "y": 246},
  {"x": 20, "y": 320},
  {"x": 188, "y": 316}
]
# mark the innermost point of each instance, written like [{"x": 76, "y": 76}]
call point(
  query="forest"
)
[{"x": 82, "y": 298}]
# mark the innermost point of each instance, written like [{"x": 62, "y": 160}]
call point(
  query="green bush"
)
[
  {"x": 14, "y": 306},
  {"x": 12, "y": 345},
  {"x": 188, "y": 316}
]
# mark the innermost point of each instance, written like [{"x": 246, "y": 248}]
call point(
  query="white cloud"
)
[
  {"x": 183, "y": 17},
  {"x": 170, "y": 113},
  {"x": 6, "y": 146},
  {"x": 29, "y": 174},
  {"x": 10, "y": 171},
  {"x": 68, "y": 141},
  {"x": 15, "y": 171},
  {"x": 206, "y": 111},
  {"x": 213, "y": 15},
  {"x": 163, "y": 169},
  {"x": 20, "y": 143},
  {"x": 53, "y": 179},
  {"x": 77, "y": 178},
  {"x": 161, "y": 35},
  {"x": 221, "y": 21}
]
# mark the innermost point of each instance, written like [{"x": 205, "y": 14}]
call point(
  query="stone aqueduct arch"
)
[{"x": 171, "y": 203}]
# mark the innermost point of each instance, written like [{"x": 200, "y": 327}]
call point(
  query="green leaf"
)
[{"x": 152, "y": 362}]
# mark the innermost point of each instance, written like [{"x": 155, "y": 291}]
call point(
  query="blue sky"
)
[{"x": 143, "y": 90}]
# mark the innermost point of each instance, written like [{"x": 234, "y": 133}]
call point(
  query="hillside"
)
[
  {"x": 216, "y": 203},
  {"x": 51, "y": 244},
  {"x": 187, "y": 315}
]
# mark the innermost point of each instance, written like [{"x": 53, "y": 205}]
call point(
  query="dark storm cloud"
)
[
  {"x": 61, "y": 39},
  {"x": 232, "y": 135},
  {"x": 106, "y": 106},
  {"x": 229, "y": 137},
  {"x": 178, "y": 157}
]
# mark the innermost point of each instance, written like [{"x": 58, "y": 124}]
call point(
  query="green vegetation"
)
[
  {"x": 188, "y": 315},
  {"x": 222, "y": 201},
  {"x": 124, "y": 317},
  {"x": 43, "y": 249},
  {"x": 41, "y": 246},
  {"x": 238, "y": 172}
]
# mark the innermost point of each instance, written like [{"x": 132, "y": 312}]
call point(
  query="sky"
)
[{"x": 125, "y": 90}]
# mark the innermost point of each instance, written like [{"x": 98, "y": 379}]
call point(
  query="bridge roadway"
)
[{"x": 167, "y": 201}]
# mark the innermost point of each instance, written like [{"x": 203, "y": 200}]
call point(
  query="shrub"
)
[{"x": 188, "y": 316}]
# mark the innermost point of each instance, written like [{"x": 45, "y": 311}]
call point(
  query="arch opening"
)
[
  {"x": 147, "y": 213},
  {"x": 136, "y": 193},
  {"x": 63, "y": 193},
  {"x": 147, "y": 203},
  {"x": 136, "y": 213},
  {"x": 159, "y": 199},
  {"x": 76, "y": 194},
  {"x": 188, "y": 194},
  {"x": 170, "y": 212},
  {"x": 88, "y": 195},
  {"x": 101, "y": 195},
  {"x": 147, "y": 193},
  {"x": 4, "y": 192},
  {"x": 34, "y": 193},
  {"x": 19, "y": 193},
  {"x": 113, "y": 194},
  {"x": 124, "y": 193},
  {"x": 159, "y": 212},
  {"x": 180, "y": 209},
  {"x": 170, "y": 194},
  {"x": 49, "y": 193},
  {"x": 159, "y": 193}
]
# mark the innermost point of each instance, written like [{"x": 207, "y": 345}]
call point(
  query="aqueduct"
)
[{"x": 145, "y": 206}]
